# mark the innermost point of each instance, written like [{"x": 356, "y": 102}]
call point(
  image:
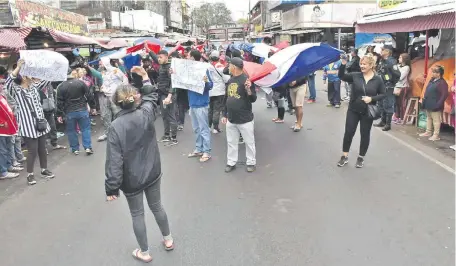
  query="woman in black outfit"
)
[{"x": 368, "y": 88}]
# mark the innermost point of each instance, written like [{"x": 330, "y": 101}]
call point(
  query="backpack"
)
[{"x": 395, "y": 74}]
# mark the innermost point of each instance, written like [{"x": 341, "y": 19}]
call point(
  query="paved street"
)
[{"x": 298, "y": 208}]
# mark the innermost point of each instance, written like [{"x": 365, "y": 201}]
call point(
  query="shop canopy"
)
[
  {"x": 438, "y": 16},
  {"x": 13, "y": 38},
  {"x": 63, "y": 37}
]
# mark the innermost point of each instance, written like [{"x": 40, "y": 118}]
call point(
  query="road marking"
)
[{"x": 439, "y": 163}]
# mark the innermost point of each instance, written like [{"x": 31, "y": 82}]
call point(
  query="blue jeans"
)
[
  {"x": 5, "y": 154},
  {"x": 201, "y": 129},
  {"x": 312, "y": 89},
  {"x": 82, "y": 119}
]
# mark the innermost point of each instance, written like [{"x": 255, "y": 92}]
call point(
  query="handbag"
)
[
  {"x": 373, "y": 112},
  {"x": 40, "y": 123}
]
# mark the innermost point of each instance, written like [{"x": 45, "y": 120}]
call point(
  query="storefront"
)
[{"x": 32, "y": 14}]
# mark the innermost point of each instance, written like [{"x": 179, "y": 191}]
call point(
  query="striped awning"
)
[
  {"x": 14, "y": 38},
  {"x": 438, "y": 16}
]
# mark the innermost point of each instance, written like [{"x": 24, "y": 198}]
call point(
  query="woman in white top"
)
[
  {"x": 401, "y": 88},
  {"x": 32, "y": 123}
]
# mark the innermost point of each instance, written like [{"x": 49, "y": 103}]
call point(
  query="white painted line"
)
[{"x": 439, "y": 163}]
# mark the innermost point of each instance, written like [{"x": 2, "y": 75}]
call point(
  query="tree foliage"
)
[
  {"x": 243, "y": 21},
  {"x": 211, "y": 14}
]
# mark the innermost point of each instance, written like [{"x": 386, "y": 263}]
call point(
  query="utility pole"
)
[{"x": 248, "y": 27}]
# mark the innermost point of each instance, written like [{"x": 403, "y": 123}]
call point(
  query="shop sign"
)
[
  {"x": 388, "y": 5},
  {"x": 30, "y": 14}
]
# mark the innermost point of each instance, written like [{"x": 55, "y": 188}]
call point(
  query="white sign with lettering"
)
[
  {"x": 188, "y": 74},
  {"x": 44, "y": 65}
]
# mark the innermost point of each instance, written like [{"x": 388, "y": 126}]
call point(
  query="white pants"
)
[{"x": 232, "y": 138}]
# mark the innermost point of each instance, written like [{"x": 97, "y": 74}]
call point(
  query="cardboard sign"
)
[{"x": 44, "y": 65}]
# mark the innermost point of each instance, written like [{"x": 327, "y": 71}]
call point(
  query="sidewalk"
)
[{"x": 11, "y": 187}]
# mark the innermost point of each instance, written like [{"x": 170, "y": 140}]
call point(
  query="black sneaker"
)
[
  {"x": 89, "y": 151},
  {"x": 343, "y": 161},
  {"x": 229, "y": 168},
  {"x": 172, "y": 142},
  {"x": 47, "y": 174},
  {"x": 241, "y": 140},
  {"x": 165, "y": 139},
  {"x": 251, "y": 168},
  {"x": 180, "y": 127},
  {"x": 31, "y": 179},
  {"x": 359, "y": 162}
]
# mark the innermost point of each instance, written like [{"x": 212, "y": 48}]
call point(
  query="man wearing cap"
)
[
  {"x": 238, "y": 116},
  {"x": 387, "y": 69}
]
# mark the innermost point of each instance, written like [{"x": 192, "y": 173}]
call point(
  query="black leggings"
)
[
  {"x": 36, "y": 147},
  {"x": 351, "y": 123},
  {"x": 280, "y": 111}
]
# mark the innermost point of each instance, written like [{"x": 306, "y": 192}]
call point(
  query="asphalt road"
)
[{"x": 298, "y": 208}]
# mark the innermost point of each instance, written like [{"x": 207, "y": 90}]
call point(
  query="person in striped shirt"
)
[{"x": 30, "y": 116}]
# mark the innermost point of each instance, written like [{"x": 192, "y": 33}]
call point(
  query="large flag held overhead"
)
[{"x": 292, "y": 63}]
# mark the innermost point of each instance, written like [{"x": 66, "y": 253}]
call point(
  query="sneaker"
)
[
  {"x": 16, "y": 164},
  {"x": 343, "y": 161},
  {"x": 165, "y": 139},
  {"x": 269, "y": 105},
  {"x": 102, "y": 137},
  {"x": 329, "y": 105},
  {"x": 93, "y": 123},
  {"x": 337, "y": 106},
  {"x": 216, "y": 131},
  {"x": 251, "y": 168},
  {"x": 229, "y": 168},
  {"x": 311, "y": 101},
  {"x": 75, "y": 152},
  {"x": 9, "y": 175},
  {"x": 425, "y": 134},
  {"x": 434, "y": 138},
  {"x": 359, "y": 162},
  {"x": 241, "y": 140},
  {"x": 453, "y": 147},
  {"x": 31, "y": 179},
  {"x": 47, "y": 174},
  {"x": 89, "y": 151},
  {"x": 180, "y": 127},
  {"x": 14, "y": 169},
  {"x": 172, "y": 142},
  {"x": 23, "y": 160}
]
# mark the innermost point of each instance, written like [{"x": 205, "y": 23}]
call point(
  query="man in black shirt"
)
[
  {"x": 238, "y": 116},
  {"x": 73, "y": 98}
]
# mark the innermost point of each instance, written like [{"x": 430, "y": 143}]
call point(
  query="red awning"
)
[
  {"x": 64, "y": 37},
  {"x": 14, "y": 38},
  {"x": 439, "y": 16}
]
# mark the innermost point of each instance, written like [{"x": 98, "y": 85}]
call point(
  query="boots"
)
[
  {"x": 387, "y": 127},
  {"x": 382, "y": 122}
]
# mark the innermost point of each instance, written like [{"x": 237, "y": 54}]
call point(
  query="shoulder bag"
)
[
  {"x": 40, "y": 123},
  {"x": 373, "y": 112}
]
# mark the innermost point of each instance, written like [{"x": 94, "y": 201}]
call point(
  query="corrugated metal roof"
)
[{"x": 442, "y": 8}]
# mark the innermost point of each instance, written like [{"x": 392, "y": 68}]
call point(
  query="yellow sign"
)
[{"x": 390, "y": 4}]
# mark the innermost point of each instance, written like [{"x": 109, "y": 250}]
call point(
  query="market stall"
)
[{"x": 438, "y": 18}]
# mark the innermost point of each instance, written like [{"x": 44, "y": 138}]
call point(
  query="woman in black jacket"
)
[
  {"x": 368, "y": 88},
  {"x": 133, "y": 161}
]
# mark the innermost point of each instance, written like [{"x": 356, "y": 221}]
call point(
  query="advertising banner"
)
[{"x": 31, "y": 14}]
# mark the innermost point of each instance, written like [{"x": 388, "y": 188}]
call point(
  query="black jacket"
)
[
  {"x": 353, "y": 65},
  {"x": 164, "y": 77},
  {"x": 132, "y": 154},
  {"x": 435, "y": 95},
  {"x": 73, "y": 95},
  {"x": 375, "y": 89}
]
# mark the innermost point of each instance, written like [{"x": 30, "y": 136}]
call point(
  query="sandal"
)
[
  {"x": 168, "y": 248},
  {"x": 275, "y": 119},
  {"x": 205, "y": 158},
  {"x": 58, "y": 147},
  {"x": 136, "y": 253},
  {"x": 278, "y": 121},
  {"x": 195, "y": 154}
]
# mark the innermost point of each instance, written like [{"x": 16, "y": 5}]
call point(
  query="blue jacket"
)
[
  {"x": 196, "y": 100},
  {"x": 332, "y": 77}
]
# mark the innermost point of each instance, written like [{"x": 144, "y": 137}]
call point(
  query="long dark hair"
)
[{"x": 406, "y": 61}]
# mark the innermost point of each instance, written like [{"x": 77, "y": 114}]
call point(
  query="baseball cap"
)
[
  {"x": 215, "y": 54},
  {"x": 237, "y": 62},
  {"x": 388, "y": 47}
]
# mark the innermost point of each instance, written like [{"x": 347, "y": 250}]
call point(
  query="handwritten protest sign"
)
[
  {"x": 44, "y": 65},
  {"x": 188, "y": 74}
]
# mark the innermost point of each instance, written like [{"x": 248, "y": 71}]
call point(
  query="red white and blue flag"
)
[{"x": 291, "y": 64}]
